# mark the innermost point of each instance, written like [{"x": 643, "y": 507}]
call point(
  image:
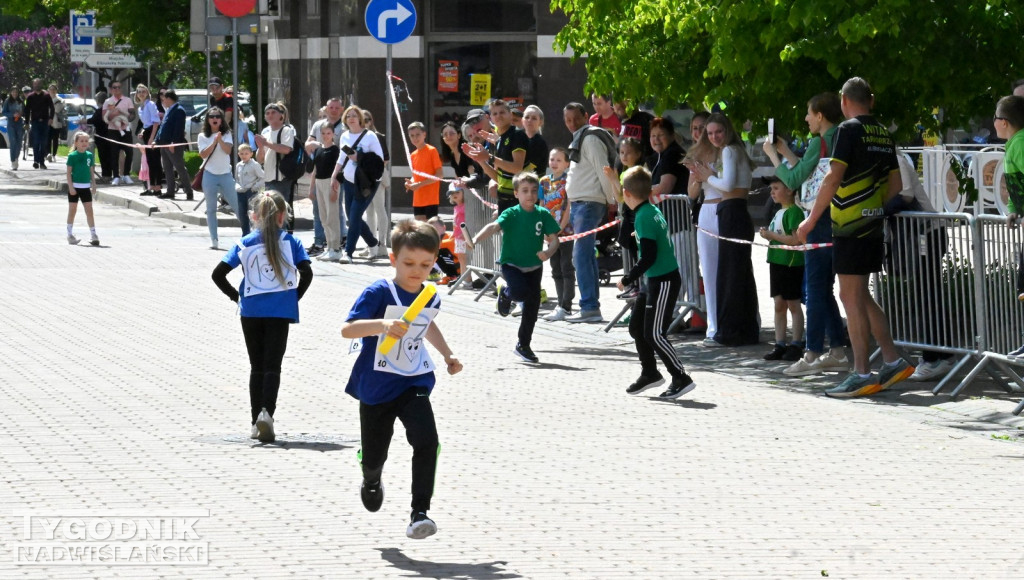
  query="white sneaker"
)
[
  {"x": 585, "y": 316},
  {"x": 265, "y": 427},
  {"x": 126, "y": 180},
  {"x": 932, "y": 371},
  {"x": 559, "y": 314},
  {"x": 49, "y": 158},
  {"x": 829, "y": 362},
  {"x": 367, "y": 253},
  {"x": 345, "y": 259},
  {"x": 116, "y": 181},
  {"x": 72, "y": 240},
  {"x": 255, "y": 433},
  {"x": 379, "y": 251},
  {"x": 14, "y": 165},
  {"x": 517, "y": 309}
]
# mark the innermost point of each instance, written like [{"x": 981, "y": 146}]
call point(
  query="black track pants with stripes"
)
[{"x": 652, "y": 314}]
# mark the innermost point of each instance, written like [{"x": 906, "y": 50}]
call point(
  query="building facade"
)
[{"x": 317, "y": 49}]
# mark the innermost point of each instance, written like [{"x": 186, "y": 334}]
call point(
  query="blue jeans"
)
[
  {"x": 585, "y": 216},
  {"x": 40, "y": 138},
  {"x": 243, "y": 210},
  {"x": 822, "y": 310},
  {"x": 15, "y": 137},
  {"x": 355, "y": 206},
  {"x": 212, "y": 185}
]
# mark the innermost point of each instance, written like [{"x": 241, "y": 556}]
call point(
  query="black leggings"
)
[
  {"x": 54, "y": 140},
  {"x": 266, "y": 340},
  {"x": 652, "y": 314},
  {"x": 377, "y": 425}
]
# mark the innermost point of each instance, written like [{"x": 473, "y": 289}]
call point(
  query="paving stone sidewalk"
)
[{"x": 123, "y": 375}]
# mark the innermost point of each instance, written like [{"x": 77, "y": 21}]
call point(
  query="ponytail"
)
[{"x": 266, "y": 208}]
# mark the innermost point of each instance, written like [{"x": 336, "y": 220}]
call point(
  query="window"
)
[{"x": 483, "y": 16}]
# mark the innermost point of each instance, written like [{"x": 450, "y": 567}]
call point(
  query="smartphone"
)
[
  {"x": 771, "y": 130},
  {"x": 348, "y": 150}
]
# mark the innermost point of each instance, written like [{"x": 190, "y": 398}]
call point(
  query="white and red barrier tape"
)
[
  {"x": 800, "y": 248},
  {"x": 610, "y": 224},
  {"x": 142, "y": 145}
]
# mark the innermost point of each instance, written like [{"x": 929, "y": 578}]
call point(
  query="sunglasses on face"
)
[{"x": 216, "y": 117}]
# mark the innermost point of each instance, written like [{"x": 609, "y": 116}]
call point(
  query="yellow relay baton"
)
[{"x": 410, "y": 315}]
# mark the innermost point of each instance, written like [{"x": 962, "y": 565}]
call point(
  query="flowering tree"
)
[{"x": 30, "y": 54}]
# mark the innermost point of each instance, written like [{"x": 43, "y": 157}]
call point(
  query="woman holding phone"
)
[{"x": 357, "y": 139}]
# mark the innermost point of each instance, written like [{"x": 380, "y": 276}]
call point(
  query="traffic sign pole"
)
[{"x": 389, "y": 21}]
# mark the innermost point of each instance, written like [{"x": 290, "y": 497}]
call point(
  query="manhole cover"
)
[{"x": 315, "y": 441}]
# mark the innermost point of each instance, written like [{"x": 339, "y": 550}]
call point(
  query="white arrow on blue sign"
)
[{"x": 390, "y": 21}]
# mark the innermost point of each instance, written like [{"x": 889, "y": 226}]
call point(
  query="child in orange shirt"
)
[{"x": 426, "y": 192}]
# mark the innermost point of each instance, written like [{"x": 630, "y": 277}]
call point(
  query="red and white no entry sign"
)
[{"x": 235, "y": 8}]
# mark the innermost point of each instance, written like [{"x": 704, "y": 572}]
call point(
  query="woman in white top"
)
[
  {"x": 728, "y": 178},
  {"x": 215, "y": 149},
  {"x": 706, "y": 198},
  {"x": 149, "y": 120},
  {"x": 56, "y": 122},
  {"x": 356, "y": 139}
]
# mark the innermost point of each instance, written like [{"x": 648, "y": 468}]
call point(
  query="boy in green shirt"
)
[
  {"x": 81, "y": 186},
  {"x": 1008, "y": 121},
  {"x": 786, "y": 271},
  {"x": 655, "y": 305},
  {"x": 526, "y": 227}
]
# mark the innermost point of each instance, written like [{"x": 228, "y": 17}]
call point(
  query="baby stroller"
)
[{"x": 609, "y": 254}]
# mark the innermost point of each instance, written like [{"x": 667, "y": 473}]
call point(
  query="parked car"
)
[{"x": 76, "y": 112}]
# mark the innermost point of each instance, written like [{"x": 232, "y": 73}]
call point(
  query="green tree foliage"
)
[{"x": 766, "y": 58}]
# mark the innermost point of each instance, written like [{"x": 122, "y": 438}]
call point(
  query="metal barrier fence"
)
[
  {"x": 677, "y": 211},
  {"x": 483, "y": 258},
  {"x": 949, "y": 286}
]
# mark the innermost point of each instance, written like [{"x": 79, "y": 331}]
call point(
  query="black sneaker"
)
[
  {"x": 372, "y": 496},
  {"x": 35, "y": 165},
  {"x": 794, "y": 352},
  {"x": 679, "y": 387},
  {"x": 777, "y": 353},
  {"x": 525, "y": 353},
  {"x": 42, "y": 166},
  {"x": 314, "y": 250},
  {"x": 504, "y": 300},
  {"x": 479, "y": 284},
  {"x": 643, "y": 383},
  {"x": 421, "y": 526}
]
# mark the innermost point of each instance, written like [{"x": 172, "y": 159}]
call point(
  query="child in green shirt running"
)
[
  {"x": 526, "y": 227},
  {"x": 655, "y": 305},
  {"x": 81, "y": 186},
  {"x": 786, "y": 272}
]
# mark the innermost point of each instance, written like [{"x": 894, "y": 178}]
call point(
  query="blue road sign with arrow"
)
[{"x": 390, "y": 21}]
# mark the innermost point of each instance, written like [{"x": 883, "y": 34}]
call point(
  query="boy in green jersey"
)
[
  {"x": 655, "y": 305},
  {"x": 526, "y": 227}
]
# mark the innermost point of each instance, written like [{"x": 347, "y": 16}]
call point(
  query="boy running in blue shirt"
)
[
  {"x": 526, "y": 227},
  {"x": 397, "y": 385}
]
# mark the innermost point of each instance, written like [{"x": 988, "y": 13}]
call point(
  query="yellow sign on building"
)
[{"x": 480, "y": 89}]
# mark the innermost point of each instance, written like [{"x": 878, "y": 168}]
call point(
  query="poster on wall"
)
[
  {"x": 448, "y": 76},
  {"x": 480, "y": 89}
]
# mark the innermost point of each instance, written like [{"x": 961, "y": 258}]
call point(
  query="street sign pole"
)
[
  {"x": 234, "y": 82},
  {"x": 388, "y": 115}
]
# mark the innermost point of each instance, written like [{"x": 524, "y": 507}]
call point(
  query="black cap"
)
[
  {"x": 474, "y": 115},
  {"x": 215, "y": 81}
]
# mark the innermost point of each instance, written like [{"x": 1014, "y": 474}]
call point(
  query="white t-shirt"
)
[
  {"x": 369, "y": 143},
  {"x": 270, "y": 160},
  {"x": 219, "y": 162}
]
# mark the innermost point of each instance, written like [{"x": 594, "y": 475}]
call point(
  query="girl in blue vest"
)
[{"x": 275, "y": 276}]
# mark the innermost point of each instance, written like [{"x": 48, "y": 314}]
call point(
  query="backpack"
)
[
  {"x": 611, "y": 149},
  {"x": 293, "y": 164}
]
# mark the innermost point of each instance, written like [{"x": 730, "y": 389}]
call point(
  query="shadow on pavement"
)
[
  {"x": 685, "y": 403},
  {"x": 454, "y": 570}
]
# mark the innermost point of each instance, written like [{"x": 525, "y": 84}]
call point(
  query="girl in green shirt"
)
[{"x": 81, "y": 186}]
